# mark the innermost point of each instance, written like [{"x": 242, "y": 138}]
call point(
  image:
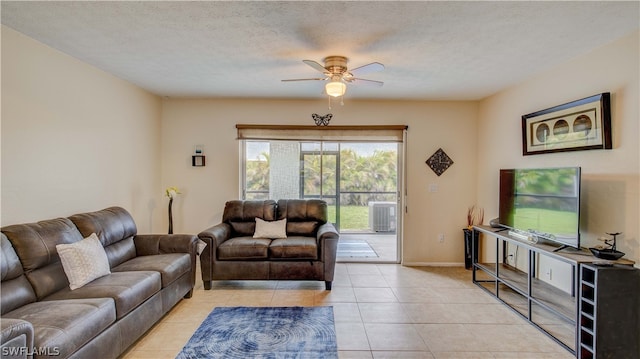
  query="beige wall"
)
[
  {"x": 610, "y": 177},
  {"x": 74, "y": 138},
  {"x": 450, "y": 125}
]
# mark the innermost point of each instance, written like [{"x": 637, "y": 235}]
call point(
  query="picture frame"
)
[{"x": 575, "y": 126}]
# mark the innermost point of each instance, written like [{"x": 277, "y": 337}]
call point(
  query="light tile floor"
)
[{"x": 381, "y": 311}]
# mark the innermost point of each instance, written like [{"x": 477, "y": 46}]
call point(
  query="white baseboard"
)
[{"x": 433, "y": 264}]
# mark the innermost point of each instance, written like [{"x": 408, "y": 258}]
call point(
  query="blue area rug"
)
[{"x": 264, "y": 332}]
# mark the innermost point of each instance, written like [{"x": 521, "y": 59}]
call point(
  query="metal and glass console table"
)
[{"x": 520, "y": 285}]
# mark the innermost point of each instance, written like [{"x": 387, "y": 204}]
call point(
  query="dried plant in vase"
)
[{"x": 475, "y": 215}]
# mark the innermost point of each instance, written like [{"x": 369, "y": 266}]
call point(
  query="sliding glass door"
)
[
  {"x": 320, "y": 175},
  {"x": 359, "y": 182}
]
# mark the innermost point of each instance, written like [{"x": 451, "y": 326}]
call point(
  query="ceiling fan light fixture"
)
[{"x": 335, "y": 88}]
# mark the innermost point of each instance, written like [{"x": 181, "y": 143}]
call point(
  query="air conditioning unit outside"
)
[{"x": 382, "y": 216}]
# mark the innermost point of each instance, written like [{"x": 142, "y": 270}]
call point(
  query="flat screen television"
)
[{"x": 544, "y": 203}]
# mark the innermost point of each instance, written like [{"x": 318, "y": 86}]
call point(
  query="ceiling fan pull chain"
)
[{"x": 329, "y": 97}]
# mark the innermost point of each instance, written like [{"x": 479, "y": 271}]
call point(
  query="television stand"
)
[
  {"x": 521, "y": 280},
  {"x": 563, "y": 247}
]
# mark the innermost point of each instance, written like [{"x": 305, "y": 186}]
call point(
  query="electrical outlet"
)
[{"x": 441, "y": 237}]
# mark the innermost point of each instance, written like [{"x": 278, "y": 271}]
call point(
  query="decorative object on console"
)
[
  {"x": 439, "y": 162},
  {"x": 322, "y": 120},
  {"x": 475, "y": 215},
  {"x": 198, "y": 160},
  {"x": 171, "y": 192},
  {"x": 579, "y": 125},
  {"x": 609, "y": 253}
]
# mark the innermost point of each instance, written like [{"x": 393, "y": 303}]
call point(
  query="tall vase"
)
[
  {"x": 470, "y": 247},
  {"x": 170, "y": 216}
]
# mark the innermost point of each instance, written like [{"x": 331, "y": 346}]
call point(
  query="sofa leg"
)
[
  {"x": 327, "y": 284},
  {"x": 189, "y": 294},
  {"x": 207, "y": 284}
]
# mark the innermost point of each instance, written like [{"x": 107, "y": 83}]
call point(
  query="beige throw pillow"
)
[
  {"x": 83, "y": 261},
  {"x": 270, "y": 229}
]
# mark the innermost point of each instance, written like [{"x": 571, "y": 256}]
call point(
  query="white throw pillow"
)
[
  {"x": 270, "y": 229},
  {"x": 83, "y": 261}
]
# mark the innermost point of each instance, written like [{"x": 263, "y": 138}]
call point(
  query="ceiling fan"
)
[{"x": 336, "y": 72}]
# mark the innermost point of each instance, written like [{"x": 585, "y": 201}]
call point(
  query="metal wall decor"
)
[
  {"x": 579, "y": 125},
  {"x": 439, "y": 162},
  {"x": 322, "y": 120}
]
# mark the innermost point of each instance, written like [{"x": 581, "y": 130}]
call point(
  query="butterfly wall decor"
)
[{"x": 322, "y": 120}]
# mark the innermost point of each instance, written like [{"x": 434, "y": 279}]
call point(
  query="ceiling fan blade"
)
[
  {"x": 365, "y": 82},
  {"x": 367, "y": 69},
  {"x": 315, "y": 65},
  {"x": 312, "y": 79}
]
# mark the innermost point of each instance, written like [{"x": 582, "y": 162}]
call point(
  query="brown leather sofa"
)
[
  {"x": 42, "y": 317},
  {"x": 308, "y": 252}
]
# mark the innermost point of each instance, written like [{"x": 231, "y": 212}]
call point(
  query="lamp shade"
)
[{"x": 335, "y": 88}]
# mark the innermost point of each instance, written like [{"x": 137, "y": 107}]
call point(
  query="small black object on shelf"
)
[
  {"x": 197, "y": 161},
  {"x": 608, "y": 253}
]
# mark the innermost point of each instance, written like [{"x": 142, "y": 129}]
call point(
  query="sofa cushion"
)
[
  {"x": 294, "y": 248},
  {"x": 35, "y": 245},
  {"x": 304, "y": 228},
  {"x": 115, "y": 227},
  {"x": 83, "y": 261},
  {"x": 270, "y": 229},
  {"x": 243, "y": 228},
  {"x": 128, "y": 289},
  {"x": 64, "y": 326},
  {"x": 171, "y": 266},
  {"x": 302, "y": 210},
  {"x": 239, "y": 248},
  {"x": 241, "y": 215},
  {"x": 16, "y": 289}
]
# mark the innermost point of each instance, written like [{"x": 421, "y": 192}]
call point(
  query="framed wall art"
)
[{"x": 575, "y": 126}]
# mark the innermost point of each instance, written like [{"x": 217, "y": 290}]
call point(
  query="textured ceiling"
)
[{"x": 431, "y": 50}]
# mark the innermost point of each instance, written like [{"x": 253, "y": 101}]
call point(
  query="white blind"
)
[{"x": 383, "y": 133}]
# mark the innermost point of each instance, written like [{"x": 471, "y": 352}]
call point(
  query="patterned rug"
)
[
  {"x": 264, "y": 332},
  {"x": 355, "y": 248}
]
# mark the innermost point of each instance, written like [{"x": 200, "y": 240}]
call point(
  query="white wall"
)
[
  {"x": 74, "y": 138},
  {"x": 610, "y": 177},
  {"x": 450, "y": 125}
]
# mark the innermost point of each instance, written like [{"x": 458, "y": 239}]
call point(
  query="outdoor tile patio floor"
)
[{"x": 381, "y": 311}]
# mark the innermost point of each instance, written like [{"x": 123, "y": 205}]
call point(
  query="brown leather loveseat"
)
[
  {"x": 43, "y": 318},
  {"x": 307, "y": 253}
]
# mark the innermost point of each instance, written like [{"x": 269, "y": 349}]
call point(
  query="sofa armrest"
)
[
  {"x": 213, "y": 237},
  {"x": 327, "y": 231},
  {"x": 16, "y": 338},
  {"x": 328, "y": 238},
  {"x": 216, "y": 235}
]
